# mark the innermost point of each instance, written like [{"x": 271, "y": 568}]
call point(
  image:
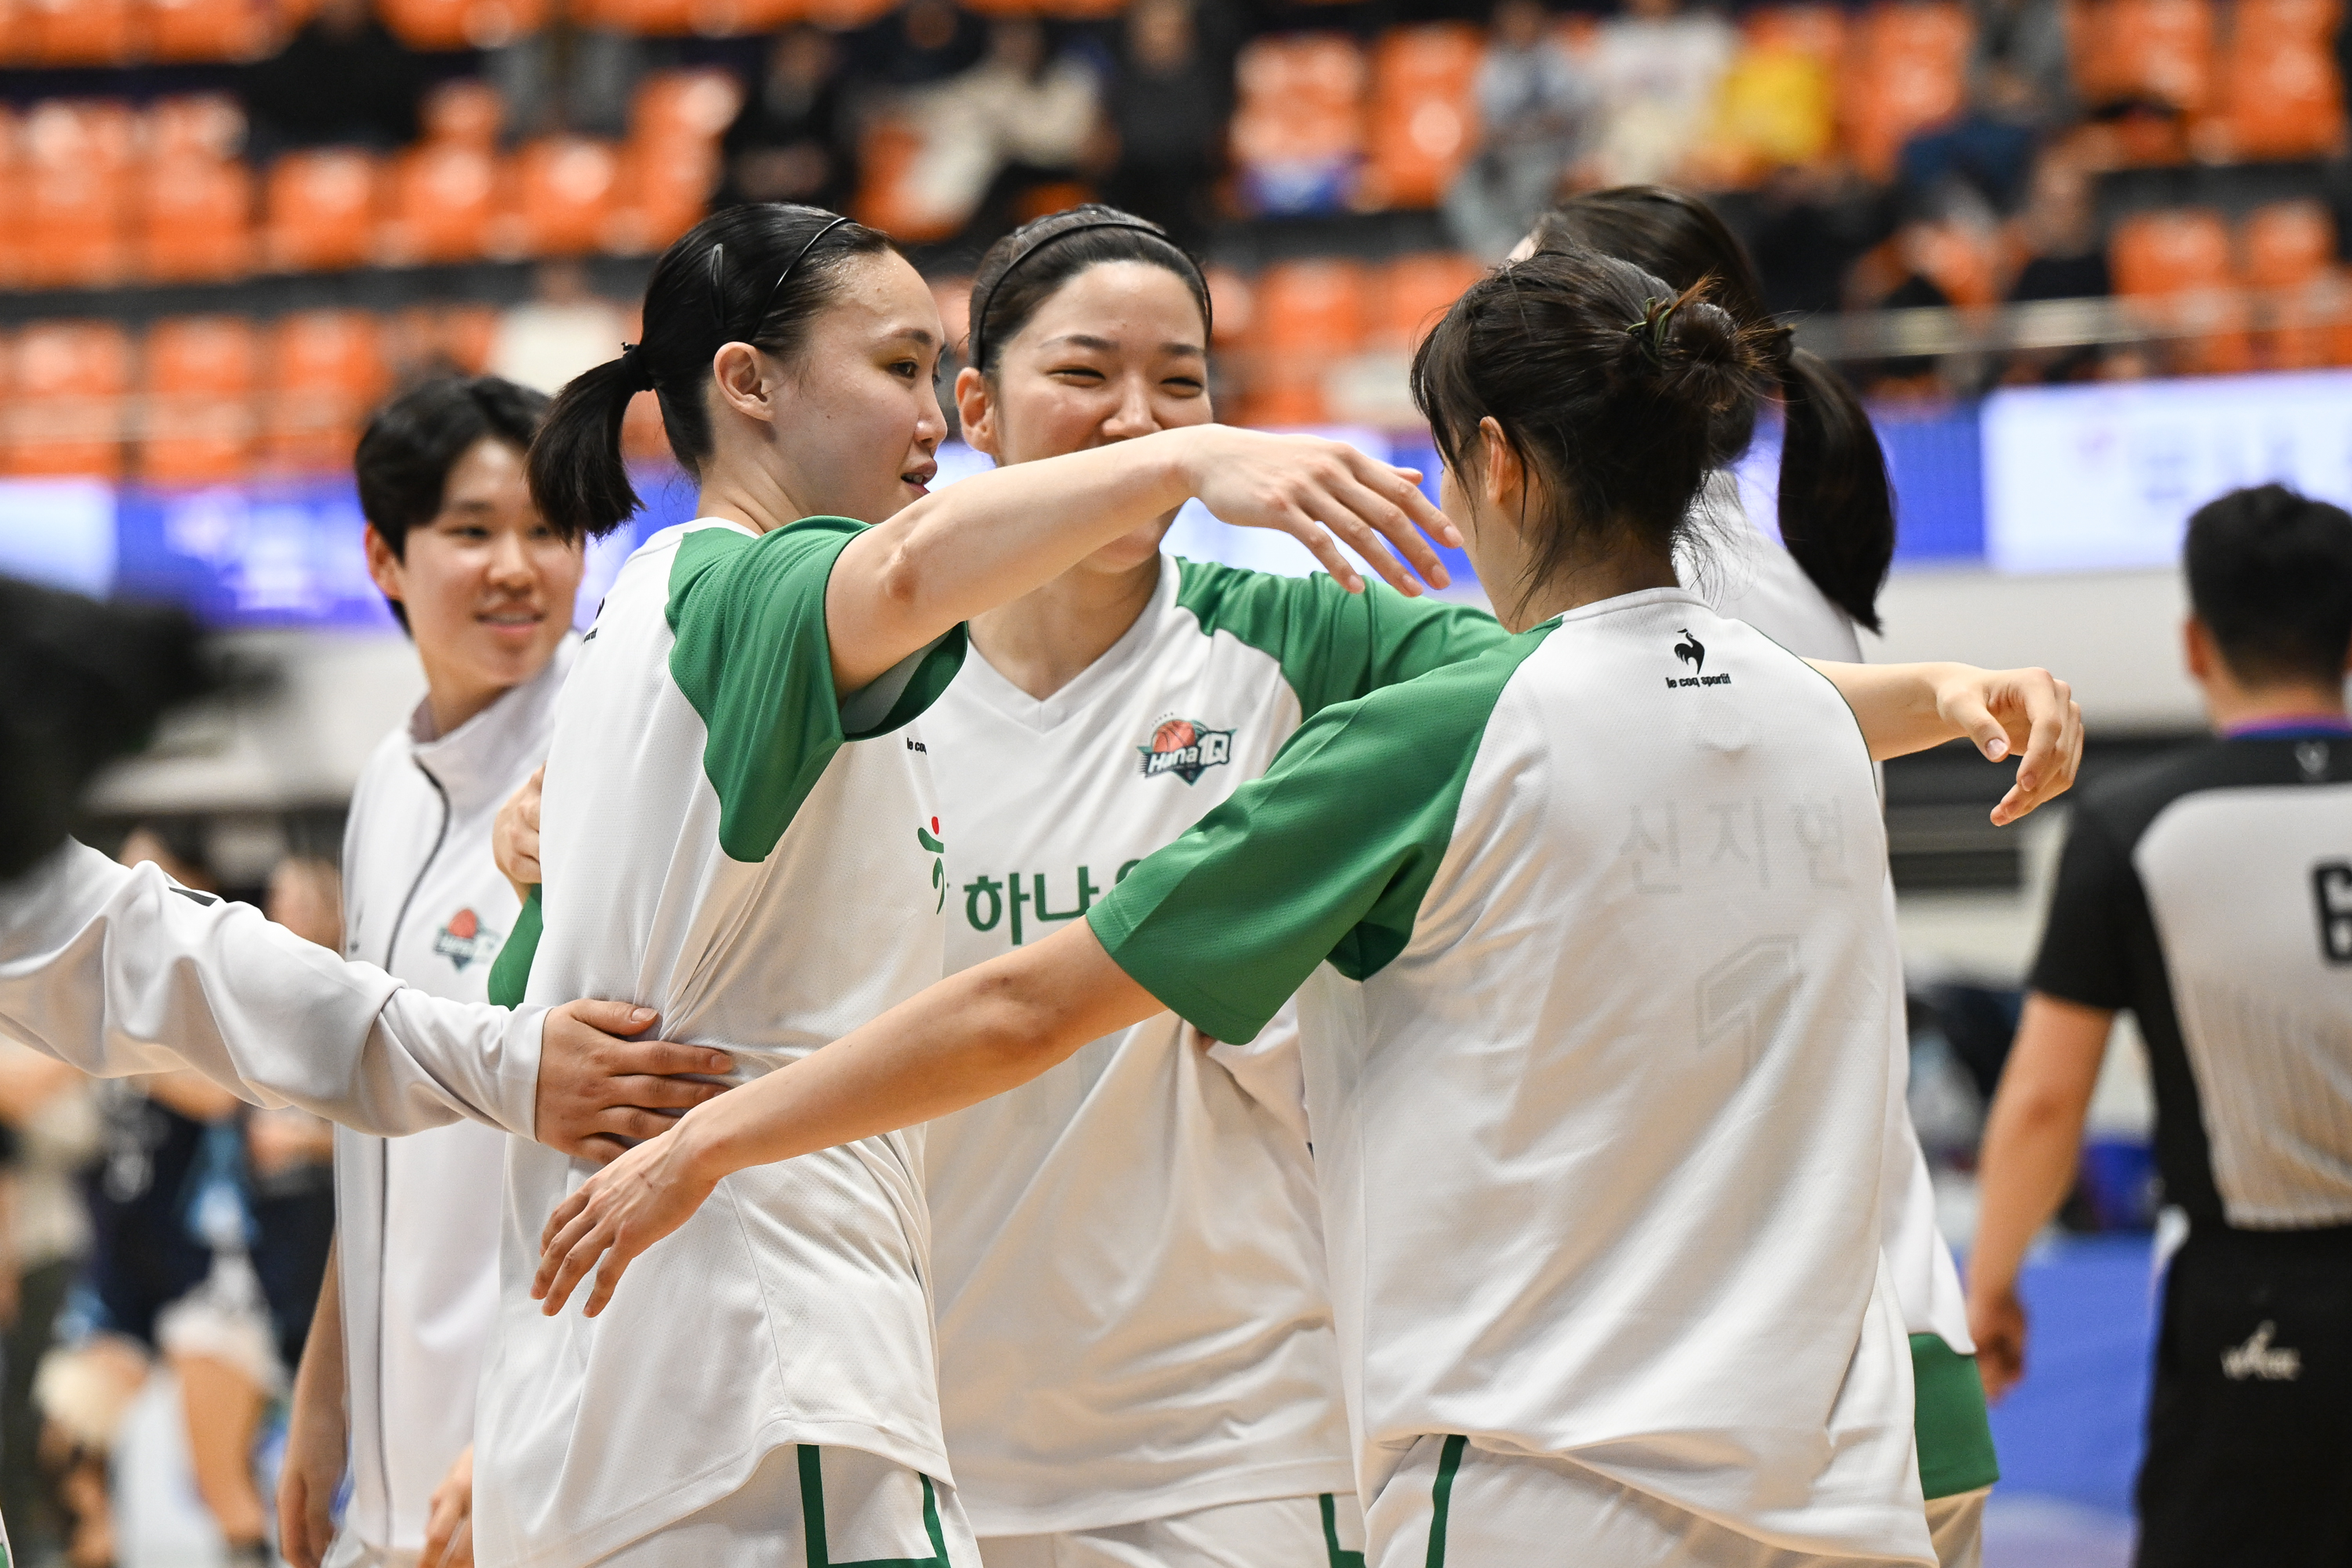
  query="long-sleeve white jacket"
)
[{"x": 120, "y": 970}]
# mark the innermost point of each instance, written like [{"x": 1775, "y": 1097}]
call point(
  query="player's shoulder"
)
[{"x": 2127, "y": 801}]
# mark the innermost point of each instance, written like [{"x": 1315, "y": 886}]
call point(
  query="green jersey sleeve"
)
[
  {"x": 753, "y": 658},
  {"x": 1334, "y": 646},
  {"x": 1327, "y": 857}
]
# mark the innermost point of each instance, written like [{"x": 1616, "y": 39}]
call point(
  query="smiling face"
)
[
  {"x": 487, "y": 584},
  {"x": 855, "y": 421},
  {"x": 1119, "y": 351}
]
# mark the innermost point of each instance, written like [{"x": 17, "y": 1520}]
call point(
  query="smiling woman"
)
[{"x": 739, "y": 830}]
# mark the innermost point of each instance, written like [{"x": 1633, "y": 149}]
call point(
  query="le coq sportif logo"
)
[{"x": 1693, "y": 652}]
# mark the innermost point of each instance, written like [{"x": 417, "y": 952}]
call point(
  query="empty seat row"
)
[
  {"x": 2251, "y": 79},
  {"x": 109, "y": 195},
  {"x": 205, "y": 399},
  {"x": 2187, "y": 270},
  {"x": 1286, "y": 332}
]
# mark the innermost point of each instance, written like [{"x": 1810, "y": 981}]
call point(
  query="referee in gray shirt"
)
[{"x": 2211, "y": 894}]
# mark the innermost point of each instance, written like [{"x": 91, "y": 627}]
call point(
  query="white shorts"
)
[
  {"x": 1453, "y": 1506},
  {"x": 1326, "y": 1532},
  {"x": 1956, "y": 1524},
  {"x": 807, "y": 1507}
]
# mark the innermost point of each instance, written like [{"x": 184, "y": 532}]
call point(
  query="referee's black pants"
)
[{"x": 2250, "y": 1422}]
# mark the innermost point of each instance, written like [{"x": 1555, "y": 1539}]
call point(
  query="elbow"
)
[
  {"x": 905, "y": 573},
  {"x": 1021, "y": 1033}
]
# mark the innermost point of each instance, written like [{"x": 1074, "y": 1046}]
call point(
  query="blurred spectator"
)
[
  {"x": 566, "y": 77},
  {"x": 342, "y": 77},
  {"x": 2059, "y": 234},
  {"x": 923, "y": 42},
  {"x": 1657, "y": 67},
  {"x": 49, "y": 1106},
  {"x": 1025, "y": 117},
  {"x": 790, "y": 141},
  {"x": 1536, "y": 111},
  {"x": 2020, "y": 64},
  {"x": 1169, "y": 108},
  {"x": 567, "y": 328},
  {"x": 1811, "y": 224},
  {"x": 1989, "y": 147}
]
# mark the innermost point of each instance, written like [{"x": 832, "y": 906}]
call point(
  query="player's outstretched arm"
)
[
  {"x": 117, "y": 969},
  {"x": 2026, "y": 713},
  {"x": 972, "y": 1035},
  {"x": 991, "y": 538}
]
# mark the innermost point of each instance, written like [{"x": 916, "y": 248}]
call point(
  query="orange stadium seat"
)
[
  {"x": 68, "y": 396},
  {"x": 205, "y": 124},
  {"x": 467, "y": 112},
  {"x": 208, "y": 29},
  {"x": 1905, "y": 68},
  {"x": 320, "y": 210},
  {"x": 2283, "y": 96},
  {"x": 74, "y": 193},
  {"x": 711, "y": 18},
  {"x": 695, "y": 106},
  {"x": 1415, "y": 292},
  {"x": 440, "y": 25},
  {"x": 888, "y": 196},
  {"x": 194, "y": 219},
  {"x": 1233, "y": 306},
  {"x": 201, "y": 377},
  {"x": 2289, "y": 247},
  {"x": 12, "y": 235},
  {"x": 565, "y": 191},
  {"x": 441, "y": 203},
  {"x": 2158, "y": 50},
  {"x": 1299, "y": 126},
  {"x": 2178, "y": 264},
  {"x": 1308, "y": 316},
  {"x": 75, "y": 32},
  {"x": 1423, "y": 118},
  {"x": 465, "y": 333},
  {"x": 325, "y": 371},
  {"x": 667, "y": 186}
]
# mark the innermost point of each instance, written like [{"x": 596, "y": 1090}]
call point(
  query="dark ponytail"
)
[
  {"x": 757, "y": 273},
  {"x": 1608, "y": 385},
  {"x": 1837, "y": 509}
]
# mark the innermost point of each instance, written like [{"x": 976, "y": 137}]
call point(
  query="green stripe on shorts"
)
[
  {"x": 1954, "y": 1439},
  {"x": 1441, "y": 1497}
]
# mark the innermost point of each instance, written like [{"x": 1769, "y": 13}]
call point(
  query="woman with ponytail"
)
[
  {"x": 1836, "y": 508},
  {"x": 1595, "y": 1115},
  {"x": 740, "y": 833},
  {"x": 1837, "y": 517}
]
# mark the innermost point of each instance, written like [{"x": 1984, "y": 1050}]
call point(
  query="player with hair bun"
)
[{"x": 1564, "y": 1306}]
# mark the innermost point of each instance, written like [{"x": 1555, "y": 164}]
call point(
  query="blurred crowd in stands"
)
[{"x": 183, "y": 155}]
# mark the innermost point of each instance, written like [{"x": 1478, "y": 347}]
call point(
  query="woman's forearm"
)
[
  {"x": 1896, "y": 704},
  {"x": 2033, "y": 1133},
  {"x": 970, "y": 1036}
]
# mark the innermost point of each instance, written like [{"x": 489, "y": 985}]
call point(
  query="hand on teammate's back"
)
[
  {"x": 601, "y": 1090},
  {"x": 514, "y": 837}
]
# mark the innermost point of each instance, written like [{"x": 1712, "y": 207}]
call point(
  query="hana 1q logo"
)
[
  {"x": 465, "y": 940},
  {"x": 1181, "y": 746}
]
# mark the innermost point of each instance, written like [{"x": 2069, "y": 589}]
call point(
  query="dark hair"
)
[
  {"x": 1837, "y": 509},
  {"x": 1029, "y": 265},
  {"x": 1608, "y": 385},
  {"x": 2270, "y": 573},
  {"x": 757, "y": 273},
  {"x": 404, "y": 457}
]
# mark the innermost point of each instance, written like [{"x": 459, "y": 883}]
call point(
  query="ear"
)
[
  {"x": 1502, "y": 478},
  {"x": 743, "y": 373},
  {"x": 2197, "y": 650},
  {"x": 384, "y": 569},
  {"x": 976, "y": 411}
]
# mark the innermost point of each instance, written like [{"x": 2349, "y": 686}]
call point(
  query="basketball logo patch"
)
[
  {"x": 465, "y": 940},
  {"x": 1182, "y": 747}
]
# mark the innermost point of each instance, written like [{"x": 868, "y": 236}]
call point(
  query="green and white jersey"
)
[
  {"x": 725, "y": 842},
  {"x": 1597, "y": 1069},
  {"x": 1133, "y": 1320}
]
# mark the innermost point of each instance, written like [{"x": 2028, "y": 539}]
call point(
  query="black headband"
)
[
  {"x": 982, "y": 302},
  {"x": 718, "y": 270}
]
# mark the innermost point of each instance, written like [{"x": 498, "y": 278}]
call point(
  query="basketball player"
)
[{"x": 1567, "y": 1176}]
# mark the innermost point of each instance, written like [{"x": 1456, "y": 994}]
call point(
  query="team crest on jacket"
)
[
  {"x": 1181, "y": 746},
  {"x": 466, "y": 940}
]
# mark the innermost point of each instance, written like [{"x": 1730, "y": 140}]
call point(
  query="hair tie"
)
[
  {"x": 1650, "y": 331},
  {"x": 981, "y": 301},
  {"x": 635, "y": 374},
  {"x": 769, "y": 303}
]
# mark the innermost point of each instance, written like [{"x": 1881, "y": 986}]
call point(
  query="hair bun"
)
[{"x": 1698, "y": 355}]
